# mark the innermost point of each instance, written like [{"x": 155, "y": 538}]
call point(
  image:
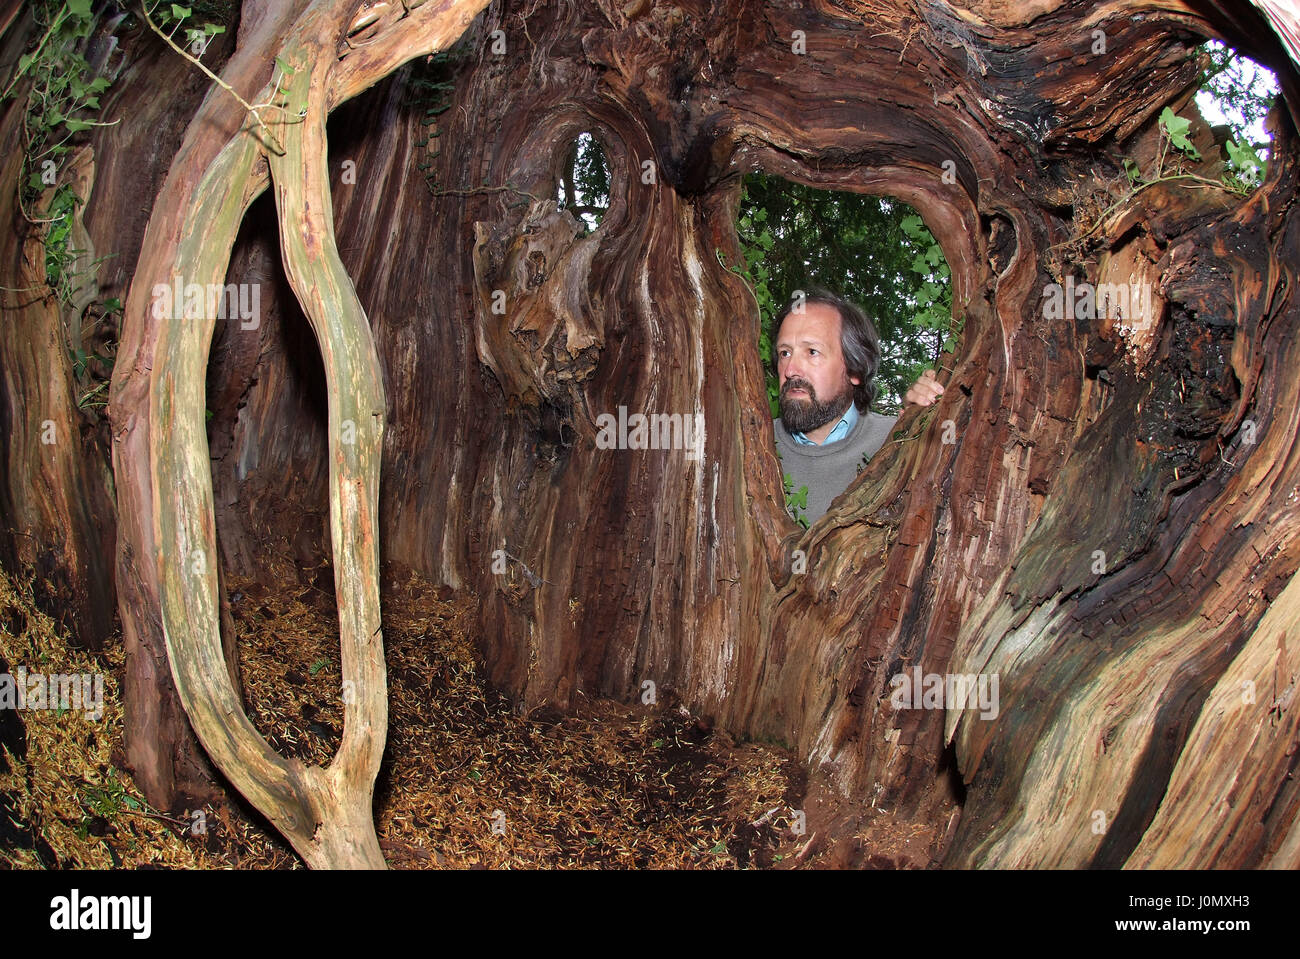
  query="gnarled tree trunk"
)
[{"x": 1098, "y": 513}]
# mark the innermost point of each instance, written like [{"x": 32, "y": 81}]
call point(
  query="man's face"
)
[{"x": 815, "y": 386}]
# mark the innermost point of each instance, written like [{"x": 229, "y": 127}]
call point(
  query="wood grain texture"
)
[{"x": 1165, "y": 447}]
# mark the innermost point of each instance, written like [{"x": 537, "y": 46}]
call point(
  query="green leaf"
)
[
  {"x": 79, "y": 9},
  {"x": 76, "y": 126},
  {"x": 1173, "y": 123},
  {"x": 179, "y": 12},
  {"x": 1244, "y": 158},
  {"x": 1176, "y": 127},
  {"x": 284, "y": 66}
]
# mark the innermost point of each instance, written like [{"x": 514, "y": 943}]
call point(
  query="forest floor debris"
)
[{"x": 467, "y": 781}]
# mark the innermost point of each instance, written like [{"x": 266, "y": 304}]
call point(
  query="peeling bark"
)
[{"x": 1167, "y": 445}]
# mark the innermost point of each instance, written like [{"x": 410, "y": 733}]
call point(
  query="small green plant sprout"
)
[
  {"x": 1245, "y": 167},
  {"x": 196, "y": 38},
  {"x": 1175, "y": 128},
  {"x": 796, "y": 502}
]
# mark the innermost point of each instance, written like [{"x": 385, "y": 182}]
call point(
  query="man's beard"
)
[{"x": 801, "y": 416}]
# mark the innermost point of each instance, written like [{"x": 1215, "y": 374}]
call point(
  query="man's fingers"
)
[{"x": 925, "y": 390}]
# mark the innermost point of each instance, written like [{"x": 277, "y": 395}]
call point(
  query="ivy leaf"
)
[
  {"x": 1244, "y": 158},
  {"x": 179, "y": 12},
  {"x": 1177, "y": 128},
  {"x": 79, "y": 9}
]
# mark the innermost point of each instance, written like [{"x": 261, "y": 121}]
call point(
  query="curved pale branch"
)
[{"x": 325, "y": 813}]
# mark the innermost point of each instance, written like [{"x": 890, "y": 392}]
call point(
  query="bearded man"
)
[{"x": 827, "y": 354}]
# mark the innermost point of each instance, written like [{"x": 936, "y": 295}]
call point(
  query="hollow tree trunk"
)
[
  {"x": 1071, "y": 438},
  {"x": 1107, "y": 531}
]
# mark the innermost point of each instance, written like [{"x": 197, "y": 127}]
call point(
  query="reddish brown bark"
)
[{"x": 975, "y": 556}]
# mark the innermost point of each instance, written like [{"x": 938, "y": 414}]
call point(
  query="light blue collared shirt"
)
[{"x": 842, "y": 428}]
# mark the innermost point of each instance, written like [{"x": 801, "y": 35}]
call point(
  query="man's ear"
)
[{"x": 855, "y": 380}]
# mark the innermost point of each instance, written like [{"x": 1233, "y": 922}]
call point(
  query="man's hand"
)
[{"x": 924, "y": 391}]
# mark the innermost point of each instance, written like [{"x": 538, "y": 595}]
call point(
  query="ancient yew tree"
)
[{"x": 1100, "y": 511}]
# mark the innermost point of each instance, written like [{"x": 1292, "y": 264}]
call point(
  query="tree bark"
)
[{"x": 1097, "y": 513}]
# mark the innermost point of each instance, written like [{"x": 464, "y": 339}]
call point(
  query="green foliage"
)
[
  {"x": 430, "y": 85},
  {"x": 106, "y": 800},
  {"x": 1237, "y": 88},
  {"x": 933, "y": 310},
  {"x": 874, "y": 251},
  {"x": 1244, "y": 173},
  {"x": 61, "y": 99},
  {"x": 1245, "y": 167},
  {"x": 1175, "y": 129},
  {"x": 796, "y": 501},
  {"x": 584, "y": 182},
  {"x": 756, "y": 242}
]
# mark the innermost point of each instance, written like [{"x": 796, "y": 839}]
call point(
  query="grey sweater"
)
[{"x": 828, "y": 470}]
